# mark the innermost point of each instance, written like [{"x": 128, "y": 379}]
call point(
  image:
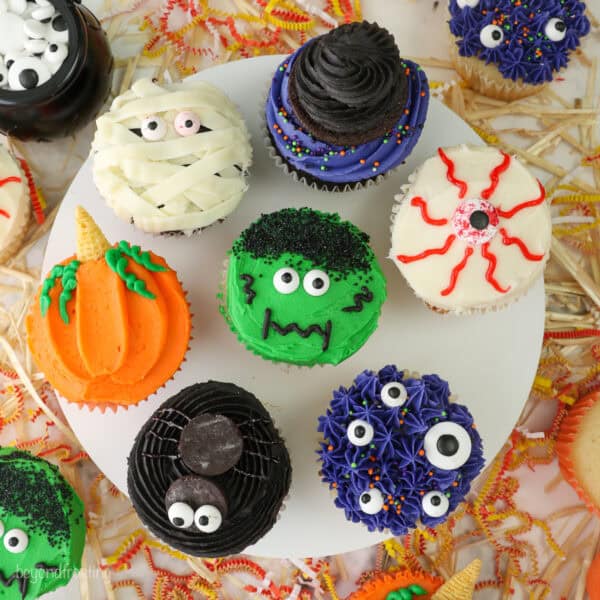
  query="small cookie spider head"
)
[{"x": 528, "y": 41}]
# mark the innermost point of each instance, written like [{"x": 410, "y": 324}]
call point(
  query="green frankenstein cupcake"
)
[
  {"x": 303, "y": 287},
  {"x": 42, "y": 527}
]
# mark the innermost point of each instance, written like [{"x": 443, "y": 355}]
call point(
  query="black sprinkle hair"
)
[
  {"x": 323, "y": 238},
  {"x": 35, "y": 496}
]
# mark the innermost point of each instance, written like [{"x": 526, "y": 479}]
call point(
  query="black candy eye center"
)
[
  {"x": 189, "y": 123},
  {"x": 152, "y": 125},
  {"x": 286, "y": 277},
  {"x": 447, "y": 445},
  {"x": 28, "y": 78},
  {"x": 178, "y": 521},
  {"x": 59, "y": 23},
  {"x": 9, "y": 63},
  {"x": 365, "y": 498},
  {"x": 360, "y": 431},
  {"x": 13, "y": 541},
  {"x": 318, "y": 283},
  {"x": 479, "y": 219},
  {"x": 203, "y": 520},
  {"x": 53, "y": 48},
  {"x": 436, "y": 500},
  {"x": 394, "y": 392},
  {"x": 496, "y": 35},
  {"x": 560, "y": 26}
]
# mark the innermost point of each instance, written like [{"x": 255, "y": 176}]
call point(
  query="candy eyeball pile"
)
[{"x": 34, "y": 43}]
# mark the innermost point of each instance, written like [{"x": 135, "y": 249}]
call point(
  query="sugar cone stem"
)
[
  {"x": 91, "y": 243},
  {"x": 462, "y": 585}
]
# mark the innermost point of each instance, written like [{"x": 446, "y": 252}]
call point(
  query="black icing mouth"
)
[
  {"x": 22, "y": 580},
  {"x": 269, "y": 324}
]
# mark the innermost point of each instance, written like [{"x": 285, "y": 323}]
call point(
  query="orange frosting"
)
[
  {"x": 119, "y": 347},
  {"x": 378, "y": 587},
  {"x": 592, "y": 580}
]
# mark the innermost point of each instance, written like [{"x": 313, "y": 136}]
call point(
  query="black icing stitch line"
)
[
  {"x": 250, "y": 293},
  {"x": 365, "y": 295},
  {"x": 268, "y": 323},
  {"x": 23, "y": 580}
]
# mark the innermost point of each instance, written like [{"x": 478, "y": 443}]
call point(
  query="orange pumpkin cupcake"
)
[{"x": 110, "y": 325}]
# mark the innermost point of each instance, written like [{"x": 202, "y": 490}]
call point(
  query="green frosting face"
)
[
  {"x": 42, "y": 527},
  {"x": 303, "y": 287}
]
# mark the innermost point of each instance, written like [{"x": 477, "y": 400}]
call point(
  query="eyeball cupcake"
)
[
  {"x": 397, "y": 452},
  {"x": 303, "y": 287},
  {"x": 472, "y": 231},
  {"x": 110, "y": 325},
  {"x": 345, "y": 108},
  {"x": 508, "y": 50},
  {"x": 208, "y": 472},
  {"x": 172, "y": 157},
  {"x": 42, "y": 527}
]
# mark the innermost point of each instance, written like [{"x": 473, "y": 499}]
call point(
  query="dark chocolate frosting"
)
[
  {"x": 348, "y": 86},
  {"x": 254, "y": 488}
]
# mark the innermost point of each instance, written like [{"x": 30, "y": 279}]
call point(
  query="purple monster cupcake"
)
[
  {"x": 344, "y": 109},
  {"x": 508, "y": 50},
  {"x": 397, "y": 452}
]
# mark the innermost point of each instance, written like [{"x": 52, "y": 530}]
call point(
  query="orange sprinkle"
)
[
  {"x": 362, "y": 161},
  {"x": 330, "y": 447},
  {"x": 386, "y": 507},
  {"x": 421, "y": 452},
  {"x": 455, "y": 484}
]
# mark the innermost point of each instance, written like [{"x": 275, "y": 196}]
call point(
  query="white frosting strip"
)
[{"x": 146, "y": 180}]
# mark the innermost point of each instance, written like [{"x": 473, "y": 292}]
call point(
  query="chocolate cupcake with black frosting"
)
[
  {"x": 345, "y": 108},
  {"x": 208, "y": 472}
]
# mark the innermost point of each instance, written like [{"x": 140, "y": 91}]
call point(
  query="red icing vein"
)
[
  {"x": 420, "y": 203},
  {"x": 489, "y": 274},
  {"x": 11, "y": 179},
  {"x": 450, "y": 166},
  {"x": 507, "y": 241},
  {"x": 507, "y": 214},
  {"x": 4, "y": 213},
  {"x": 456, "y": 271},
  {"x": 495, "y": 176},
  {"x": 408, "y": 259}
]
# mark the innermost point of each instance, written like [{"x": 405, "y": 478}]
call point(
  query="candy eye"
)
[
  {"x": 57, "y": 30},
  {"x": 286, "y": 280},
  {"x": 435, "y": 504},
  {"x": 181, "y": 515},
  {"x": 393, "y": 394},
  {"x": 55, "y": 54},
  {"x": 27, "y": 72},
  {"x": 187, "y": 123},
  {"x": 555, "y": 30},
  {"x": 153, "y": 128},
  {"x": 371, "y": 502},
  {"x": 208, "y": 518},
  {"x": 316, "y": 282},
  {"x": 464, "y": 3},
  {"x": 360, "y": 433},
  {"x": 491, "y": 36},
  {"x": 475, "y": 221},
  {"x": 16, "y": 541},
  {"x": 447, "y": 446}
]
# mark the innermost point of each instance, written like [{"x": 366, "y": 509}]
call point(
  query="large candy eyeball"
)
[
  {"x": 465, "y": 3},
  {"x": 181, "y": 515},
  {"x": 16, "y": 541},
  {"x": 27, "y": 72},
  {"x": 435, "y": 504},
  {"x": 447, "y": 446},
  {"x": 491, "y": 36},
  {"x": 316, "y": 282},
  {"x": 56, "y": 53},
  {"x": 371, "y": 501},
  {"x": 208, "y": 518},
  {"x": 153, "y": 128},
  {"x": 555, "y": 30},
  {"x": 286, "y": 280},
  {"x": 360, "y": 433},
  {"x": 187, "y": 123},
  {"x": 393, "y": 394},
  {"x": 3, "y": 75}
]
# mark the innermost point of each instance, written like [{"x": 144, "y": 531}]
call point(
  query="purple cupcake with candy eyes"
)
[
  {"x": 345, "y": 108},
  {"x": 509, "y": 50},
  {"x": 397, "y": 452}
]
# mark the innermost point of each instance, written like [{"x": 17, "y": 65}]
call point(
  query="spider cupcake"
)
[
  {"x": 397, "y": 452},
  {"x": 208, "y": 472}
]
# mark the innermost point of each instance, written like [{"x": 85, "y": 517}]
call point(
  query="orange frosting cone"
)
[{"x": 111, "y": 326}]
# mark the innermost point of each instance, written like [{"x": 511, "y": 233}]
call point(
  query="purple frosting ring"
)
[
  {"x": 344, "y": 164},
  {"x": 396, "y": 463},
  {"x": 526, "y": 50}
]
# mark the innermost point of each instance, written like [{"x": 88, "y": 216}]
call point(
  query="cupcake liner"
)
[
  {"x": 569, "y": 431},
  {"x": 305, "y": 178},
  {"x": 487, "y": 79},
  {"x": 383, "y": 583},
  {"x": 399, "y": 199}
]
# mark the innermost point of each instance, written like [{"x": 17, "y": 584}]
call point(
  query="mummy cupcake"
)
[
  {"x": 42, "y": 527},
  {"x": 172, "y": 158},
  {"x": 110, "y": 325},
  {"x": 472, "y": 231},
  {"x": 509, "y": 50},
  {"x": 208, "y": 472},
  {"x": 396, "y": 451},
  {"x": 345, "y": 108},
  {"x": 303, "y": 287}
]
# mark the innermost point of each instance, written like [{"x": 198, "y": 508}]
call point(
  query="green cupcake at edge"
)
[
  {"x": 303, "y": 287},
  {"x": 42, "y": 527}
]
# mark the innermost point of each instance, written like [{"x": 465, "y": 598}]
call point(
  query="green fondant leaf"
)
[
  {"x": 118, "y": 263},
  {"x": 67, "y": 273},
  {"x": 142, "y": 258}
]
